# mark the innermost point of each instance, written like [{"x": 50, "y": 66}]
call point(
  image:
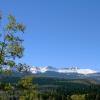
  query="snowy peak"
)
[
  {"x": 68, "y": 70},
  {"x": 85, "y": 71},
  {"x": 76, "y": 70},
  {"x": 47, "y": 68},
  {"x": 44, "y": 69},
  {"x": 34, "y": 69}
]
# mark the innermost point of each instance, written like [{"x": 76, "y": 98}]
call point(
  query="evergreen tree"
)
[
  {"x": 26, "y": 82},
  {"x": 23, "y": 68},
  {"x": 10, "y": 42}
]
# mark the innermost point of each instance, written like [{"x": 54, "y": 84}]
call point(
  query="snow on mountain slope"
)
[
  {"x": 47, "y": 68},
  {"x": 68, "y": 70},
  {"x": 61, "y": 70},
  {"x": 43, "y": 69},
  {"x": 85, "y": 71},
  {"x": 76, "y": 70},
  {"x": 35, "y": 69}
]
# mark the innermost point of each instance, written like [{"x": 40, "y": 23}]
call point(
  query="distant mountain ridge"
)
[
  {"x": 67, "y": 70},
  {"x": 66, "y": 73}
]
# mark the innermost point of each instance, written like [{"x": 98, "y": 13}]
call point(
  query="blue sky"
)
[{"x": 59, "y": 33}]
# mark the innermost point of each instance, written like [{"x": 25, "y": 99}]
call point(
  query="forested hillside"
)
[{"x": 48, "y": 88}]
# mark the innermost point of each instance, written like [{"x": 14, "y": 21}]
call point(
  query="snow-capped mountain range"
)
[{"x": 77, "y": 70}]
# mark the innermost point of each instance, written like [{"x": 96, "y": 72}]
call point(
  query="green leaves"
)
[
  {"x": 0, "y": 69},
  {"x": 7, "y": 72},
  {"x": 19, "y": 67},
  {"x": 8, "y": 87},
  {"x": 14, "y": 26},
  {"x": 20, "y": 27},
  {"x": 26, "y": 82},
  {"x": 1, "y": 60},
  {"x": 9, "y": 37},
  {"x": 16, "y": 49},
  {"x": 23, "y": 68},
  {"x": 3, "y": 44},
  {"x": 11, "y": 63},
  {"x": 11, "y": 42}
]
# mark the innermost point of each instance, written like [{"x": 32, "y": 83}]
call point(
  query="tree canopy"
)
[{"x": 10, "y": 42}]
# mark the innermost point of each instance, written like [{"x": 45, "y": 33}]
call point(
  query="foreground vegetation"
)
[{"x": 46, "y": 88}]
